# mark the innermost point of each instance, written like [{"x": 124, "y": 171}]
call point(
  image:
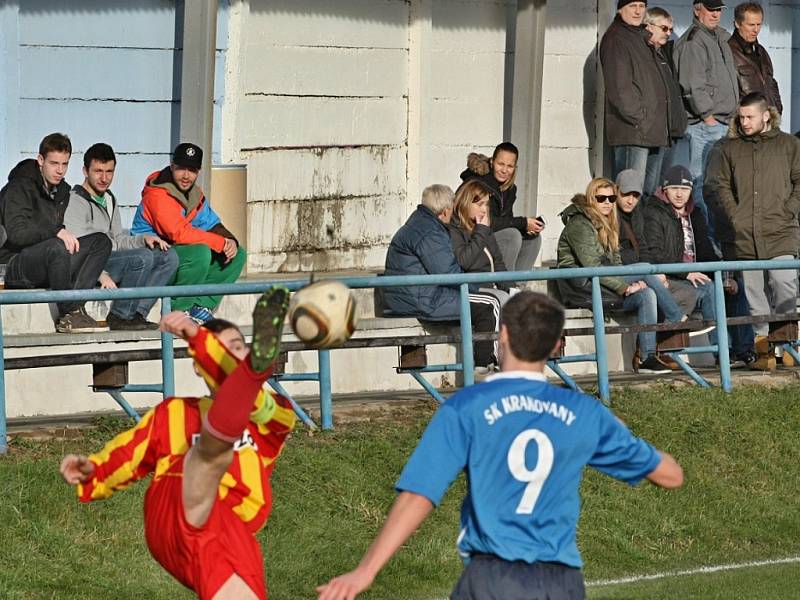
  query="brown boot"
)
[
  {"x": 788, "y": 359},
  {"x": 766, "y": 357}
]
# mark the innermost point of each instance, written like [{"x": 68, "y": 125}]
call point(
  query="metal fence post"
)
[
  {"x": 167, "y": 354},
  {"x": 722, "y": 334},
  {"x": 601, "y": 355},
  {"x": 325, "y": 400},
  {"x": 467, "y": 358},
  {"x": 3, "y": 429}
]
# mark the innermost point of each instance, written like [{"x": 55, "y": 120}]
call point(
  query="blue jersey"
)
[{"x": 523, "y": 444}]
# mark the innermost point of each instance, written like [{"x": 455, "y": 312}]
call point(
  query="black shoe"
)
[
  {"x": 268, "y": 317},
  {"x": 137, "y": 323},
  {"x": 653, "y": 364}
]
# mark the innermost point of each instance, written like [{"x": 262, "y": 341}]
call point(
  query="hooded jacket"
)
[
  {"x": 176, "y": 217},
  {"x": 707, "y": 73},
  {"x": 420, "y": 247},
  {"x": 759, "y": 191},
  {"x": 636, "y": 88},
  {"x": 754, "y": 70},
  {"x": 477, "y": 252},
  {"x": 85, "y": 216},
  {"x": 664, "y": 233},
  {"x": 29, "y": 211},
  {"x": 501, "y": 204},
  {"x": 631, "y": 234}
]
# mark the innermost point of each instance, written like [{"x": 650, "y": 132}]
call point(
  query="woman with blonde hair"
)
[{"x": 591, "y": 239}]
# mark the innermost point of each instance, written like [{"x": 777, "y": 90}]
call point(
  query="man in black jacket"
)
[
  {"x": 39, "y": 251},
  {"x": 753, "y": 64},
  {"x": 637, "y": 105}
]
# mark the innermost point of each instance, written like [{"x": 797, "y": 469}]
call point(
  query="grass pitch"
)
[{"x": 740, "y": 504}]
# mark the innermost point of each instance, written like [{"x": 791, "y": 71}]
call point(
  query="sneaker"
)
[
  {"x": 485, "y": 370},
  {"x": 268, "y": 316},
  {"x": 199, "y": 314},
  {"x": 744, "y": 360},
  {"x": 77, "y": 321},
  {"x": 653, "y": 364},
  {"x": 137, "y": 323},
  {"x": 696, "y": 332}
]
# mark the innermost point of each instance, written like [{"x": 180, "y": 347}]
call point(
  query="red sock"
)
[{"x": 233, "y": 402}]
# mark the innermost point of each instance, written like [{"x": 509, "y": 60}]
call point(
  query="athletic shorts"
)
[
  {"x": 489, "y": 577},
  {"x": 201, "y": 558}
]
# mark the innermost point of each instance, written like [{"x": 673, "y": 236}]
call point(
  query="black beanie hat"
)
[{"x": 621, "y": 3}]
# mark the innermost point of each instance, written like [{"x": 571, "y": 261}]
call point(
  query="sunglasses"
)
[
  {"x": 665, "y": 29},
  {"x": 603, "y": 198}
]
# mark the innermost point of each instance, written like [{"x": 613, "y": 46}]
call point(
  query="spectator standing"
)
[
  {"x": 707, "y": 75},
  {"x": 40, "y": 251},
  {"x": 759, "y": 194},
  {"x": 518, "y": 237},
  {"x": 176, "y": 210},
  {"x": 590, "y": 238},
  {"x": 637, "y": 98},
  {"x": 422, "y": 246},
  {"x": 135, "y": 261},
  {"x": 753, "y": 64},
  {"x": 524, "y": 467}
]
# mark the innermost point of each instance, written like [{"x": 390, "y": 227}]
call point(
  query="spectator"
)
[
  {"x": 474, "y": 243},
  {"x": 135, "y": 261},
  {"x": 40, "y": 251},
  {"x": 422, "y": 246},
  {"x": 676, "y": 233},
  {"x": 658, "y": 23},
  {"x": 753, "y": 64},
  {"x": 637, "y": 99},
  {"x": 759, "y": 194},
  {"x": 591, "y": 239},
  {"x": 707, "y": 75},
  {"x": 518, "y": 237},
  {"x": 175, "y": 209}
]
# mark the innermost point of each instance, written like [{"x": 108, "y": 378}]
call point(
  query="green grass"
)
[{"x": 740, "y": 503}]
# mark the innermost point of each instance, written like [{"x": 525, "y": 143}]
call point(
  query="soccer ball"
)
[{"x": 323, "y": 314}]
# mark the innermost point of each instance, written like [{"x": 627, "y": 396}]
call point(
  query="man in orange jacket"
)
[{"x": 176, "y": 210}]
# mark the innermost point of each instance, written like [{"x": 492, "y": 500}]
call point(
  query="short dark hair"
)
[
  {"x": 220, "y": 325},
  {"x": 746, "y": 7},
  {"x": 100, "y": 152},
  {"x": 505, "y": 147},
  {"x": 55, "y": 142},
  {"x": 754, "y": 98},
  {"x": 534, "y": 323}
]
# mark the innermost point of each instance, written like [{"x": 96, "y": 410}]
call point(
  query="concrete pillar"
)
[
  {"x": 9, "y": 99},
  {"x": 419, "y": 97},
  {"x": 527, "y": 103},
  {"x": 197, "y": 79}
]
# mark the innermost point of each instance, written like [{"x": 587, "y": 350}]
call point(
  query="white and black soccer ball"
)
[{"x": 323, "y": 314}]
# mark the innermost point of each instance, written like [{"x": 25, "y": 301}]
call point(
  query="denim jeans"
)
[
  {"x": 701, "y": 138},
  {"x": 742, "y": 338},
  {"x": 666, "y": 302},
  {"x": 704, "y": 302},
  {"x": 139, "y": 267},
  {"x": 645, "y": 304},
  {"x": 646, "y": 161},
  {"x": 49, "y": 265}
]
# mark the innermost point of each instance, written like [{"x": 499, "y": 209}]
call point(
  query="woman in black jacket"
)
[{"x": 472, "y": 237}]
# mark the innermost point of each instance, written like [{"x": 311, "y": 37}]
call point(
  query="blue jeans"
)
[
  {"x": 645, "y": 305},
  {"x": 701, "y": 138},
  {"x": 646, "y": 161},
  {"x": 742, "y": 338},
  {"x": 139, "y": 267},
  {"x": 704, "y": 302},
  {"x": 664, "y": 299}
]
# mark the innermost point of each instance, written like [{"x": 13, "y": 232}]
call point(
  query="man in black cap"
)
[
  {"x": 637, "y": 95},
  {"x": 175, "y": 209},
  {"x": 707, "y": 75}
]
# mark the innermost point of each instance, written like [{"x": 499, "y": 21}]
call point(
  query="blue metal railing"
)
[{"x": 462, "y": 281}]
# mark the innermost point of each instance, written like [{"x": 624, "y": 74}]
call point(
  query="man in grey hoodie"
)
[{"x": 135, "y": 261}]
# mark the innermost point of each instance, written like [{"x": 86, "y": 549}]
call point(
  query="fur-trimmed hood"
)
[{"x": 774, "y": 121}]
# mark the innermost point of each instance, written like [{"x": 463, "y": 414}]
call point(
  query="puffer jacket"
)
[
  {"x": 664, "y": 233},
  {"x": 759, "y": 191},
  {"x": 754, "y": 69},
  {"x": 422, "y": 246},
  {"x": 501, "y": 204},
  {"x": 85, "y": 216},
  {"x": 477, "y": 252},
  {"x": 579, "y": 246},
  {"x": 707, "y": 73},
  {"x": 30, "y": 213},
  {"x": 637, "y": 94}
]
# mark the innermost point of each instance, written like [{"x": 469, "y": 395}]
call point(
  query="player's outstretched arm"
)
[
  {"x": 76, "y": 468},
  {"x": 178, "y": 323},
  {"x": 407, "y": 513},
  {"x": 668, "y": 474}
]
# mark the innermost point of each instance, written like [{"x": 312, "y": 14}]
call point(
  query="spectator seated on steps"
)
[
  {"x": 40, "y": 252},
  {"x": 135, "y": 261},
  {"x": 175, "y": 209},
  {"x": 422, "y": 246},
  {"x": 518, "y": 237}
]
